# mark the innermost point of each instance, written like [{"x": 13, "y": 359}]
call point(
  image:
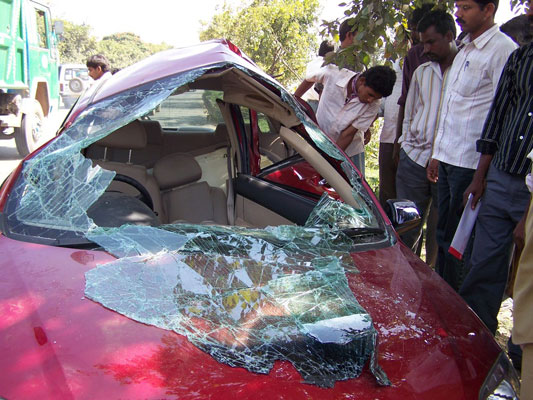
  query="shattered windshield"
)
[{"x": 244, "y": 295}]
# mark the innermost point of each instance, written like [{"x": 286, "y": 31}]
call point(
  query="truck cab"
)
[{"x": 29, "y": 88}]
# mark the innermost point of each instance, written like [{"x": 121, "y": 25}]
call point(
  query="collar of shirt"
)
[
  {"x": 343, "y": 82},
  {"x": 482, "y": 39},
  {"x": 354, "y": 94}
]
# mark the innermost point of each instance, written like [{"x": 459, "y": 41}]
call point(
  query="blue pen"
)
[{"x": 467, "y": 63}]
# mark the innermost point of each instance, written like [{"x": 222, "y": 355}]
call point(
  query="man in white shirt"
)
[
  {"x": 387, "y": 166},
  {"x": 349, "y": 104},
  {"x": 437, "y": 33},
  {"x": 471, "y": 85}
]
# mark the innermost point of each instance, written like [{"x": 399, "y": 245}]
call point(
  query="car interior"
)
[{"x": 188, "y": 159}]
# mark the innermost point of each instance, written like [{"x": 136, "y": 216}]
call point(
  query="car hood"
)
[{"x": 56, "y": 343}]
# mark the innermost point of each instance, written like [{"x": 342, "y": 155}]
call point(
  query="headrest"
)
[
  {"x": 129, "y": 137},
  {"x": 176, "y": 170}
]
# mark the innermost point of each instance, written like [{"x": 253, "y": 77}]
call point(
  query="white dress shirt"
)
[
  {"x": 391, "y": 108},
  {"x": 334, "y": 114},
  {"x": 422, "y": 108},
  {"x": 471, "y": 86}
]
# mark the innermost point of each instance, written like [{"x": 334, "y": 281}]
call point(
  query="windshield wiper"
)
[{"x": 362, "y": 231}]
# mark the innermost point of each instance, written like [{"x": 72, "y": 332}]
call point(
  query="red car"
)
[{"x": 191, "y": 233}]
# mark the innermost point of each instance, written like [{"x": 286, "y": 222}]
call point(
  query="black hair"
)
[
  {"x": 441, "y": 20},
  {"x": 380, "y": 78},
  {"x": 346, "y": 26},
  {"x": 98, "y": 60},
  {"x": 418, "y": 13},
  {"x": 325, "y": 47},
  {"x": 483, "y": 3}
]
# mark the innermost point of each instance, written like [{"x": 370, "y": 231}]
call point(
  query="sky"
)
[{"x": 170, "y": 21}]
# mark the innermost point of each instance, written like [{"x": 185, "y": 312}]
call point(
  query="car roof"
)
[{"x": 173, "y": 61}]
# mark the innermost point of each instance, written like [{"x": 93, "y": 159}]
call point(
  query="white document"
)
[{"x": 464, "y": 229}]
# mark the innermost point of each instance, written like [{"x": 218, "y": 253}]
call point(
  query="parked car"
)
[
  {"x": 73, "y": 80},
  {"x": 191, "y": 233}
]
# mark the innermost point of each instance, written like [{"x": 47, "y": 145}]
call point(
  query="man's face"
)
[
  {"x": 366, "y": 94},
  {"x": 348, "y": 41},
  {"x": 470, "y": 16},
  {"x": 95, "y": 72},
  {"x": 436, "y": 46}
]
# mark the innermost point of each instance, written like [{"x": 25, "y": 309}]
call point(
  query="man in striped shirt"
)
[
  {"x": 505, "y": 143},
  {"x": 437, "y": 35},
  {"x": 471, "y": 84}
]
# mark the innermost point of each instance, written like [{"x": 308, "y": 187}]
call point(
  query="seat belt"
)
[{"x": 229, "y": 184}]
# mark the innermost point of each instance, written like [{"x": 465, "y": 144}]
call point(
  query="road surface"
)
[{"x": 9, "y": 157}]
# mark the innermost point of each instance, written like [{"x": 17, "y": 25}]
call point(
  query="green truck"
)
[{"x": 29, "y": 59}]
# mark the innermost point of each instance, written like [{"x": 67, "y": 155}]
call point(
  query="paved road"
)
[{"x": 9, "y": 157}]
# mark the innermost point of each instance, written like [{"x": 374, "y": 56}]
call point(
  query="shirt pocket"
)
[{"x": 470, "y": 80}]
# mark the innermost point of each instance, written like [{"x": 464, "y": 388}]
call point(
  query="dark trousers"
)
[
  {"x": 503, "y": 204},
  {"x": 412, "y": 184},
  {"x": 387, "y": 173},
  {"x": 452, "y": 183}
]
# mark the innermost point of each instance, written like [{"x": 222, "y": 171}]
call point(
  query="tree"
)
[
  {"x": 123, "y": 49},
  {"x": 276, "y": 34},
  {"x": 381, "y": 26},
  {"x": 76, "y": 43}
]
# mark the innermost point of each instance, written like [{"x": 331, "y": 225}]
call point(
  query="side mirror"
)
[
  {"x": 403, "y": 215},
  {"x": 59, "y": 27}
]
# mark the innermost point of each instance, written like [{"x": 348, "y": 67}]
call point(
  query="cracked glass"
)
[{"x": 247, "y": 297}]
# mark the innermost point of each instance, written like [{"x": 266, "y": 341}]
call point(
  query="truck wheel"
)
[
  {"x": 30, "y": 131},
  {"x": 76, "y": 85}
]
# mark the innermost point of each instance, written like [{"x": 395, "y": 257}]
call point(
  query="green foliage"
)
[
  {"x": 276, "y": 34},
  {"x": 372, "y": 157},
  {"x": 76, "y": 44},
  {"x": 380, "y": 27},
  {"x": 121, "y": 49}
]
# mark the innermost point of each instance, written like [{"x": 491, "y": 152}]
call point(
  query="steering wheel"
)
[{"x": 144, "y": 195}]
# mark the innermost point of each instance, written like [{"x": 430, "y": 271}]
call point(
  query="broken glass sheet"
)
[
  {"x": 247, "y": 297},
  {"x": 339, "y": 215}
]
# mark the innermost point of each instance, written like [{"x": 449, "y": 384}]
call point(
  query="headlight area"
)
[{"x": 502, "y": 382}]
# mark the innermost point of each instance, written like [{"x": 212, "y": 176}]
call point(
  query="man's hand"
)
[
  {"x": 519, "y": 233},
  {"x": 346, "y": 137},
  {"x": 368, "y": 136},
  {"x": 476, "y": 188},
  {"x": 432, "y": 170}
]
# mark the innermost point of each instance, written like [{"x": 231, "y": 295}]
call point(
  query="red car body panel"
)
[{"x": 56, "y": 344}]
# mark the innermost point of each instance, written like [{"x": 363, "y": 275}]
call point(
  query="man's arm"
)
[
  {"x": 477, "y": 186},
  {"x": 399, "y": 128},
  {"x": 346, "y": 137},
  {"x": 304, "y": 87}
]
